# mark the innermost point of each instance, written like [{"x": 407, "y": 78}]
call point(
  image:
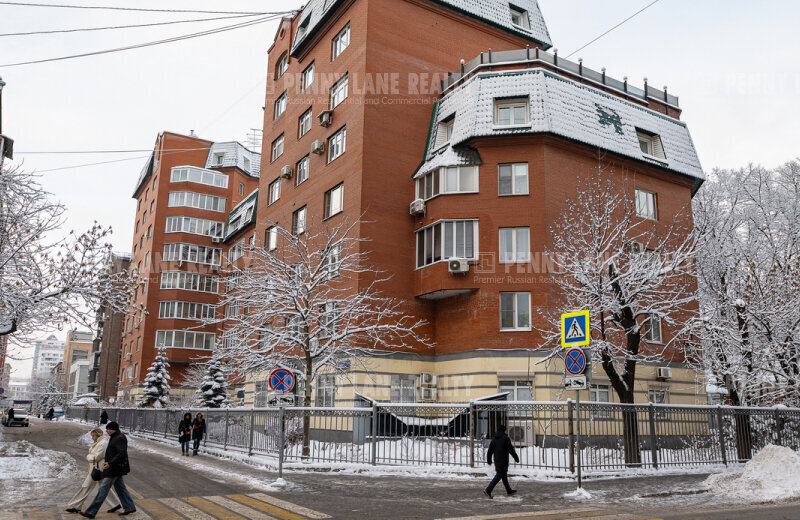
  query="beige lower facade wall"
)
[{"x": 478, "y": 374}]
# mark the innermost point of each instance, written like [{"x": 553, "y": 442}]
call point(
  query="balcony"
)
[
  {"x": 435, "y": 282},
  {"x": 537, "y": 57}
]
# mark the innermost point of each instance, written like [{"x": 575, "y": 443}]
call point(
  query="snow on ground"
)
[
  {"x": 86, "y": 438},
  {"x": 772, "y": 474},
  {"x": 579, "y": 494}
]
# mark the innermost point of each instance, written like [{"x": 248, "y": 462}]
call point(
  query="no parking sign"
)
[{"x": 281, "y": 381}]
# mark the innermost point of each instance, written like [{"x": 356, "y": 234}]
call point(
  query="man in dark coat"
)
[
  {"x": 103, "y": 417},
  {"x": 500, "y": 448},
  {"x": 10, "y": 416},
  {"x": 115, "y": 467}
]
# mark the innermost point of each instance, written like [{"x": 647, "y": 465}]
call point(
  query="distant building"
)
[
  {"x": 46, "y": 355},
  {"x": 77, "y": 348},
  {"x": 78, "y": 381}
]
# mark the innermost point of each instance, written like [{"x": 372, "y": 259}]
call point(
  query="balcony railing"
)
[{"x": 543, "y": 58}]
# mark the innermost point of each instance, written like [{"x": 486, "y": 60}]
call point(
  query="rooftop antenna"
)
[
  {"x": 254, "y": 137},
  {"x": 192, "y": 134}
]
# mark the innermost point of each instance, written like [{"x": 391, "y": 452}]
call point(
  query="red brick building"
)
[{"x": 184, "y": 195}]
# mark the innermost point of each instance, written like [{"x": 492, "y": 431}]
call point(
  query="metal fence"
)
[{"x": 547, "y": 435}]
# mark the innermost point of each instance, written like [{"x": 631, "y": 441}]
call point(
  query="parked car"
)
[
  {"x": 58, "y": 412},
  {"x": 20, "y": 418}
]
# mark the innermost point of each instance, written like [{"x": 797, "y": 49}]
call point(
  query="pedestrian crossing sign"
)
[{"x": 575, "y": 329}]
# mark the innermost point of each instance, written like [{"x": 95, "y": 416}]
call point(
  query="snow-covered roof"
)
[
  {"x": 234, "y": 154},
  {"x": 242, "y": 215},
  {"x": 494, "y": 12},
  {"x": 452, "y": 156},
  {"x": 563, "y": 107}
]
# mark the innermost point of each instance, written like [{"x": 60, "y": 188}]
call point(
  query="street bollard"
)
[
  {"x": 225, "y": 443},
  {"x": 653, "y": 437},
  {"x": 252, "y": 429},
  {"x": 281, "y": 442},
  {"x": 373, "y": 451},
  {"x": 471, "y": 435}
]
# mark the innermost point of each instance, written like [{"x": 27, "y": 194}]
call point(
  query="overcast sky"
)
[{"x": 733, "y": 63}]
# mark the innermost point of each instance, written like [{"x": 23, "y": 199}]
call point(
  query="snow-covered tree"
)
[
  {"x": 50, "y": 391},
  {"x": 46, "y": 282},
  {"x": 156, "y": 382},
  {"x": 309, "y": 304},
  {"x": 214, "y": 388},
  {"x": 748, "y": 227},
  {"x": 634, "y": 275}
]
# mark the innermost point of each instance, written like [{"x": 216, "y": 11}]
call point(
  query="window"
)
[
  {"x": 184, "y": 310},
  {"x": 178, "y": 252},
  {"x": 138, "y": 343},
  {"x": 447, "y": 239},
  {"x": 650, "y": 143},
  {"x": 246, "y": 163},
  {"x": 146, "y": 193},
  {"x": 277, "y": 147},
  {"x": 304, "y": 124},
  {"x": 428, "y": 185},
  {"x": 200, "y": 176},
  {"x": 600, "y": 394},
  {"x": 280, "y": 106},
  {"x": 302, "y": 170},
  {"x": 261, "y": 392},
  {"x": 332, "y": 260},
  {"x": 515, "y": 245},
  {"x": 646, "y": 206},
  {"x": 219, "y": 158},
  {"x": 236, "y": 251},
  {"x": 652, "y": 326},
  {"x": 519, "y": 17},
  {"x": 149, "y": 231},
  {"x": 271, "y": 238},
  {"x": 340, "y": 42},
  {"x": 299, "y": 221},
  {"x": 155, "y": 180},
  {"x": 515, "y": 311},
  {"x": 403, "y": 388},
  {"x": 185, "y": 339},
  {"x": 152, "y": 206},
  {"x": 337, "y": 143},
  {"x": 328, "y": 315},
  {"x": 326, "y": 390},
  {"x": 452, "y": 179},
  {"x": 307, "y": 78},
  {"x": 512, "y": 179},
  {"x": 189, "y": 281},
  {"x": 274, "y": 191},
  {"x": 196, "y": 200},
  {"x": 444, "y": 132},
  {"x": 334, "y": 199},
  {"x": 137, "y": 226},
  {"x": 283, "y": 64},
  {"x": 241, "y": 188},
  {"x": 195, "y": 226},
  {"x": 517, "y": 390},
  {"x": 339, "y": 92},
  {"x": 659, "y": 396},
  {"x": 511, "y": 112}
]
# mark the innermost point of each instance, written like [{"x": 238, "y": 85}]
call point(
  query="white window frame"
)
[
  {"x": 194, "y": 226},
  {"x": 650, "y": 329},
  {"x": 272, "y": 238},
  {"x": 333, "y": 260},
  {"x": 191, "y": 199},
  {"x": 334, "y": 200},
  {"x": 184, "y": 281},
  {"x": 512, "y": 105},
  {"x": 516, "y": 171},
  {"x": 307, "y": 77},
  {"x": 299, "y": 221},
  {"x": 403, "y": 388},
  {"x": 518, "y": 296},
  {"x": 517, "y": 256},
  {"x": 460, "y": 171},
  {"x": 339, "y": 91},
  {"x": 650, "y": 144},
  {"x": 283, "y": 65},
  {"x": 304, "y": 123},
  {"x": 274, "y": 191},
  {"x": 597, "y": 392},
  {"x": 427, "y": 237},
  {"x": 522, "y": 16},
  {"x": 513, "y": 386},
  {"x": 340, "y": 42},
  {"x": 303, "y": 167},
  {"x": 192, "y": 253},
  {"x": 444, "y": 132},
  {"x": 280, "y": 106},
  {"x": 168, "y": 339},
  {"x": 182, "y": 310},
  {"x": 198, "y": 176},
  {"x": 337, "y": 144},
  {"x": 277, "y": 147},
  {"x": 236, "y": 251},
  {"x": 325, "y": 390},
  {"x": 646, "y": 204}
]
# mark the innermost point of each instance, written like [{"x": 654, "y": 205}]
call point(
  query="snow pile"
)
[
  {"x": 772, "y": 474},
  {"x": 22, "y": 460},
  {"x": 578, "y": 494},
  {"x": 86, "y": 439}
]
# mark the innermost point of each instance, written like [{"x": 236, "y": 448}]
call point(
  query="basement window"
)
[
  {"x": 650, "y": 143},
  {"x": 519, "y": 17}
]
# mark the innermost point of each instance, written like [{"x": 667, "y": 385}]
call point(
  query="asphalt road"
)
[{"x": 171, "y": 485}]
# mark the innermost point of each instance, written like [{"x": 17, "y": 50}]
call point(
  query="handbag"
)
[{"x": 97, "y": 474}]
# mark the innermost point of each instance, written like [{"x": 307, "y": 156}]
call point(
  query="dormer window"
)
[
  {"x": 445, "y": 131},
  {"x": 218, "y": 158},
  {"x": 511, "y": 112},
  {"x": 246, "y": 164},
  {"x": 519, "y": 17},
  {"x": 301, "y": 31},
  {"x": 650, "y": 143}
]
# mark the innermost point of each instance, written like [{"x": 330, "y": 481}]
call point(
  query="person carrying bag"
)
[
  {"x": 91, "y": 484},
  {"x": 185, "y": 433}
]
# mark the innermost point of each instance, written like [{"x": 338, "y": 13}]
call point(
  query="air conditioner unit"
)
[
  {"x": 521, "y": 432},
  {"x": 427, "y": 379},
  {"x": 633, "y": 248},
  {"x": 318, "y": 147},
  {"x": 325, "y": 118},
  {"x": 128, "y": 356},
  {"x": 417, "y": 207},
  {"x": 664, "y": 373},
  {"x": 216, "y": 240},
  {"x": 286, "y": 172},
  {"x": 458, "y": 266},
  {"x": 427, "y": 395}
]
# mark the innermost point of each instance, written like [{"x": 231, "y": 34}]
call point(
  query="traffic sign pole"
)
[
  {"x": 578, "y": 438},
  {"x": 575, "y": 333}
]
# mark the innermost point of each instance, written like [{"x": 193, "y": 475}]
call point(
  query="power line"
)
[
  {"x": 137, "y": 9},
  {"x": 87, "y": 29},
  {"x": 651, "y": 4},
  {"x": 108, "y": 151},
  {"x": 148, "y": 44}
]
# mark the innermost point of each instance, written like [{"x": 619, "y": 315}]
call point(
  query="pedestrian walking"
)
[
  {"x": 114, "y": 468},
  {"x": 185, "y": 433},
  {"x": 10, "y": 416},
  {"x": 50, "y": 413},
  {"x": 96, "y": 458},
  {"x": 103, "y": 417},
  {"x": 198, "y": 431},
  {"x": 499, "y": 449}
]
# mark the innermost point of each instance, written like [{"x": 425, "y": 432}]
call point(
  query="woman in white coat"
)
[{"x": 96, "y": 458}]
